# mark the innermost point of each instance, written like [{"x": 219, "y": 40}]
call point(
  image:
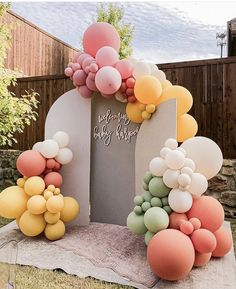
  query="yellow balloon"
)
[
  {"x": 57, "y": 191},
  {"x": 186, "y": 127},
  {"x": 51, "y": 188},
  {"x": 147, "y": 89},
  {"x": 34, "y": 186},
  {"x": 146, "y": 115},
  {"x": 13, "y": 202},
  {"x": 55, "y": 204},
  {"x": 56, "y": 231},
  {"x": 32, "y": 225},
  {"x": 165, "y": 84},
  {"x": 183, "y": 98},
  {"x": 70, "y": 210},
  {"x": 133, "y": 112},
  {"x": 47, "y": 194},
  {"x": 51, "y": 218},
  {"x": 150, "y": 108},
  {"x": 37, "y": 205},
  {"x": 20, "y": 182}
]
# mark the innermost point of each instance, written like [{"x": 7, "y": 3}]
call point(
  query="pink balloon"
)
[
  {"x": 82, "y": 57},
  {"x": 130, "y": 82},
  {"x": 125, "y": 67},
  {"x": 98, "y": 35},
  {"x": 91, "y": 84},
  {"x": 77, "y": 54},
  {"x": 87, "y": 70},
  {"x": 70, "y": 64},
  {"x": 93, "y": 67},
  {"x": 131, "y": 98},
  {"x": 57, "y": 166},
  {"x": 108, "y": 80},
  {"x": 85, "y": 91},
  {"x": 123, "y": 87},
  {"x": 129, "y": 91},
  {"x": 68, "y": 71},
  {"x": 79, "y": 77},
  {"x": 87, "y": 61},
  {"x": 107, "y": 56},
  {"x": 76, "y": 66},
  {"x": 91, "y": 75}
]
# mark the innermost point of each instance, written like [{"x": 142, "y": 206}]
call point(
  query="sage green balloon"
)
[
  {"x": 138, "y": 210},
  {"x": 147, "y": 196},
  {"x": 147, "y": 177},
  {"x": 135, "y": 223},
  {"x": 167, "y": 209},
  {"x": 146, "y": 206},
  {"x": 156, "y": 202},
  {"x": 148, "y": 237},
  {"x": 165, "y": 201},
  {"x": 157, "y": 188},
  {"x": 156, "y": 219},
  {"x": 145, "y": 186},
  {"x": 138, "y": 200}
]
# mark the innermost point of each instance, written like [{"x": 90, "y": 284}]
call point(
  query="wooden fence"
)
[{"x": 211, "y": 82}]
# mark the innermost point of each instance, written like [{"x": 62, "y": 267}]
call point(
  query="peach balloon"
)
[
  {"x": 203, "y": 241},
  {"x": 170, "y": 254},
  {"x": 125, "y": 67},
  {"x": 196, "y": 223},
  {"x": 224, "y": 242},
  {"x": 53, "y": 178},
  {"x": 201, "y": 259},
  {"x": 209, "y": 211},
  {"x": 186, "y": 127},
  {"x": 186, "y": 227},
  {"x": 31, "y": 163},
  {"x": 51, "y": 163},
  {"x": 175, "y": 219}
]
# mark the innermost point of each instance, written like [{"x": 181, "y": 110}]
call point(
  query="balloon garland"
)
[
  {"x": 139, "y": 84},
  {"x": 182, "y": 228},
  {"x": 36, "y": 202}
]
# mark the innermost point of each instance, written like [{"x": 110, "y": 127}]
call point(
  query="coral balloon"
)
[
  {"x": 34, "y": 186},
  {"x": 196, "y": 223},
  {"x": 170, "y": 255},
  {"x": 13, "y": 202},
  {"x": 55, "y": 204},
  {"x": 186, "y": 127},
  {"x": 106, "y": 56},
  {"x": 125, "y": 67},
  {"x": 53, "y": 178},
  {"x": 209, "y": 211},
  {"x": 182, "y": 95},
  {"x": 186, "y": 227},
  {"x": 70, "y": 210},
  {"x": 133, "y": 112},
  {"x": 30, "y": 163},
  {"x": 50, "y": 163},
  {"x": 224, "y": 242},
  {"x": 31, "y": 225},
  {"x": 176, "y": 219},
  {"x": 203, "y": 241},
  {"x": 98, "y": 35},
  {"x": 108, "y": 80},
  {"x": 147, "y": 89},
  {"x": 55, "y": 232},
  {"x": 201, "y": 259},
  {"x": 36, "y": 205}
]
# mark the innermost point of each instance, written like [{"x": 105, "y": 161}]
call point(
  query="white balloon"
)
[
  {"x": 61, "y": 138},
  {"x": 157, "y": 166},
  {"x": 198, "y": 185},
  {"x": 133, "y": 60},
  {"x": 164, "y": 151},
  {"x": 49, "y": 148},
  {"x": 190, "y": 164},
  {"x": 171, "y": 143},
  {"x": 160, "y": 75},
  {"x": 64, "y": 156},
  {"x": 180, "y": 201},
  {"x": 182, "y": 151},
  {"x": 174, "y": 160},
  {"x": 120, "y": 97},
  {"x": 170, "y": 178},
  {"x": 153, "y": 67},
  {"x": 187, "y": 170},
  {"x": 37, "y": 146},
  {"x": 141, "y": 69},
  {"x": 184, "y": 180},
  {"x": 206, "y": 155}
]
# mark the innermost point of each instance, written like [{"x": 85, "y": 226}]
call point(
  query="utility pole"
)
[{"x": 221, "y": 41}]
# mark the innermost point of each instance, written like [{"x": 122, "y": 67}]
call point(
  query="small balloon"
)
[{"x": 106, "y": 56}]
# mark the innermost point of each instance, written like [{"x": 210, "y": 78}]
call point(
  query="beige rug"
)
[{"x": 110, "y": 253}]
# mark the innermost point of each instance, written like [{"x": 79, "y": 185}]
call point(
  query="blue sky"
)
[{"x": 164, "y": 31}]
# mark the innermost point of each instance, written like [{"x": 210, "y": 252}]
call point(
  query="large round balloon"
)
[
  {"x": 183, "y": 98},
  {"x": 133, "y": 112},
  {"x": 70, "y": 210},
  {"x": 49, "y": 148},
  {"x": 170, "y": 254},
  {"x": 206, "y": 155},
  {"x": 147, "y": 89},
  {"x": 30, "y": 163},
  {"x": 203, "y": 241},
  {"x": 34, "y": 186},
  {"x": 31, "y": 225},
  {"x": 224, "y": 242},
  {"x": 186, "y": 127},
  {"x": 135, "y": 223},
  {"x": 55, "y": 231},
  {"x": 156, "y": 219},
  {"x": 13, "y": 202},
  {"x": 55, "y": 204},
  {"x": 98, "y": 35}
]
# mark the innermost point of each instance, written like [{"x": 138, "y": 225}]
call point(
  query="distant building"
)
[
  {"x": 232, "y": 37},
  {"x": 35, "y": 52}
]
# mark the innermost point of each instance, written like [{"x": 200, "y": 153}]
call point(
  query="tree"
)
[
  {"x": 15, "y": 112},
  {"x": 114, "y": 14}
]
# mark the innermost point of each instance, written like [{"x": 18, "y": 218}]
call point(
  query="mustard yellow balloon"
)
[
  {"x": 147, "y": 89},
  {"x": 37, "y": 205},
  {"x": 32, "y": 225},
  {"x": 70, "y": 210},
  {"x": 146, "y": 115},
  {"x": 13, "y": 202},
  {"x": 150, "y": 108},
  {"x": 55, "y": 204},
  {"x": 165, "y": 84},
  {"x": 51, "y": 218},
  {"x": 20, "y": 182},
  {"x": 183, "y": 98},
  {"x": 133, "y": 111},
  {"x": 34, "y": 186},
  {"x": 56, "y": 231},
  {"x": 51, "y": 188},
  {"x": 57, "y": 191},
  {"x": 17, "y": 222},
  {"x": 186, "y": 127},
  {"x": 47, "y": 194}
]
